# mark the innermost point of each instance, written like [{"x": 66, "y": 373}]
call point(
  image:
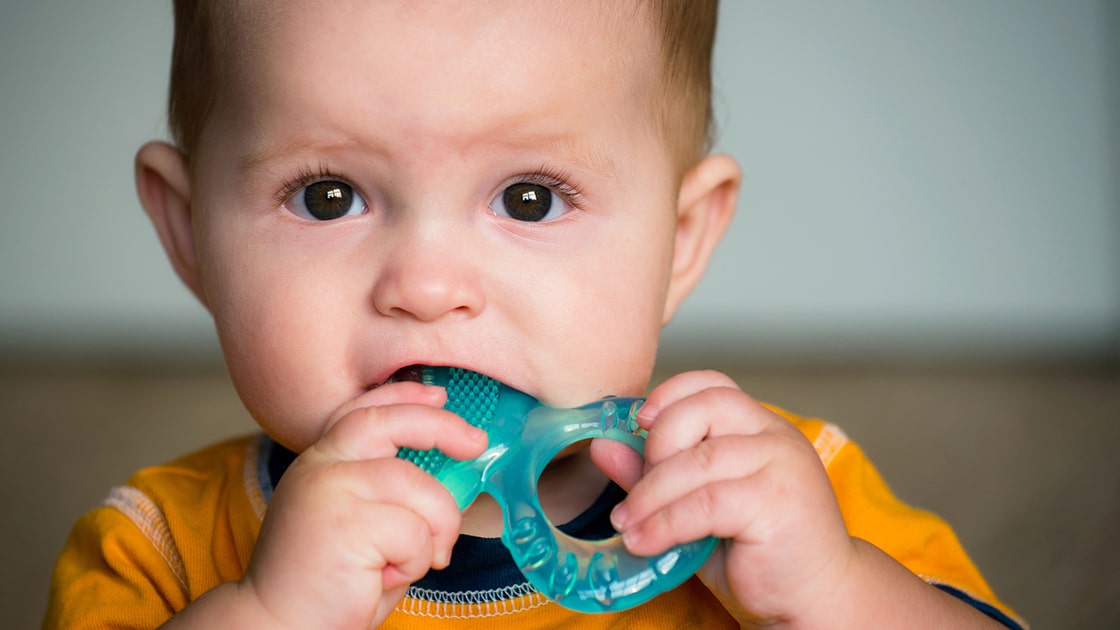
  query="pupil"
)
[
  {"x": 527, "y": 202},
  {"x": 328, "y": 200}
]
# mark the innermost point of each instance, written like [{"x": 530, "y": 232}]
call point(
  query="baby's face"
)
[{"x": 475, "y": 184}]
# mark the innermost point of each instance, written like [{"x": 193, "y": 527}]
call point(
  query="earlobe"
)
[
  {"x": 708, "y": 195},
  {"x": 163, "y": 184}
]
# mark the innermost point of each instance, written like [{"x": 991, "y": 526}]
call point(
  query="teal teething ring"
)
[{"x": 583, "y": 575}]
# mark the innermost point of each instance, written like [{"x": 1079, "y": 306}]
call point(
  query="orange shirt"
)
[{"x": 178, "y": 530}]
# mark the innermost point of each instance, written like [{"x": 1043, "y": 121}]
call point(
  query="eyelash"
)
[
  {"x": 305, "y": 177},
  {"x": 554, "y": 179},
  {"x": 546, "y": 176}
]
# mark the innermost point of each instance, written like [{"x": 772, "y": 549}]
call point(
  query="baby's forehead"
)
[
  {"x": 258, "y": 36},
  {"x": 623, "y": 28},
  {"x": 246, "y": 16},
  {"x": 251, "y": 38},
  {"x": 454, "y": 78}
]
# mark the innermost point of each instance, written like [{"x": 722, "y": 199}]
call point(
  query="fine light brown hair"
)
[{"x": 205, "y": 30}]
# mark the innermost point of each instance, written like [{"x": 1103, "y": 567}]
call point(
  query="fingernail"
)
[
  {"x": 619, "y": 515},
  {"x": 631, "y": 538},
  {"x": 648, "y": 411}
]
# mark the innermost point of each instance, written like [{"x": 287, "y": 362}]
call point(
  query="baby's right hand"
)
[{"x": 350, "y": 526}]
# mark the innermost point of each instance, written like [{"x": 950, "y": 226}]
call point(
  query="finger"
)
[
  {"x": 404, "y": 392},
  {"x": 711, "y": 461},
  {"x": 351, "y": 538},
  {"x": 332, "y": 490},
  {"x": 708, "y": 413},
  {"x": 371, "y": 432},
  {"x": 402, "y": 548},
  {"x": 393, "y": 481},
  {"x": 722, "y": 509},
  {"x": 679, "y": 387},
  {"x": 620, "y": 463}
]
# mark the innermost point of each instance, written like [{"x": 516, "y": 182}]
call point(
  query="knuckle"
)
[
  {"x": 703, "y": 504},
  {"x": 697, "y": 507},
  {"x": 685, "y": 519},
  {"x": 704, "y": 458}
]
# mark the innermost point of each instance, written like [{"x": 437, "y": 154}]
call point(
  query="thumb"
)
[{"x": 622, "y": 464}]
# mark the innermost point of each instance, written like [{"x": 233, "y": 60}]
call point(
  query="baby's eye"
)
[
  {"x": 326, "y": 200},
  {"x": 527, "y": 201}
]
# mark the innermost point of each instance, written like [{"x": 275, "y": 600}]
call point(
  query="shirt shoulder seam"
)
[{"x": 138, "y": 508}]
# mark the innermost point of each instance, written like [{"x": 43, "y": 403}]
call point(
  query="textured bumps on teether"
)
[{"x": 471, "y": 396}]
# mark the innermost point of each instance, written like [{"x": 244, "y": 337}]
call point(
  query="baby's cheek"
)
[{"x": 281, "y": 404}]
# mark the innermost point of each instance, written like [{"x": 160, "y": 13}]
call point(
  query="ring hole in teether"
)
[{"x": 578, "y": 477}]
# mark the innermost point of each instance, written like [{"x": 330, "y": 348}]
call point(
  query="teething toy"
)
[{"x": 525, "y": 434}]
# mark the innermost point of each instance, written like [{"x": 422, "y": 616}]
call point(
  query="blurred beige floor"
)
[{"x": 1021, "y": 460}]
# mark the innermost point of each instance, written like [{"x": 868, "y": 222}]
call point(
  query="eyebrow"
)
[
  {"x": 564, "y": 149},
  {"x": 583, "y": 157},
  {"x": 259, "y": 158}
]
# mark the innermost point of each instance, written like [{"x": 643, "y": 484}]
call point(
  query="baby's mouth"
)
[{"x": 408, "y": 373}]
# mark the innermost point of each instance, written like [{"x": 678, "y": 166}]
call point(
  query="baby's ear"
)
[
  {"x": 706, "y": 202},
  {"x": 164, "y": 185}
]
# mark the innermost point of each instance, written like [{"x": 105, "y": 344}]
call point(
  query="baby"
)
[{"x": 517, "y": 187}]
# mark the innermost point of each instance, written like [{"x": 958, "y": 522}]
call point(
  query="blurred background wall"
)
[
  {"x": 927, "y": 253},
  {"x": 922, "y": 179}
]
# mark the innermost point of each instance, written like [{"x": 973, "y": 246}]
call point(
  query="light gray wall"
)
[{"x": 921, "y": 179}]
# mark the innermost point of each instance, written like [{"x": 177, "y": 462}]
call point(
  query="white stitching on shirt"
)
[
  {"x": 138, "y": 508},
  {"x": 829, "y": 442},
  {"x": 420, "y": 602}
]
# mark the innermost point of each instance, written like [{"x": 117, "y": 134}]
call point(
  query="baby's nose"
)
[{"x": 428, "y": 281}]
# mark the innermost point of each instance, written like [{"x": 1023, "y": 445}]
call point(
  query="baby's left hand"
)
[{"x": 720, "y": 464}]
